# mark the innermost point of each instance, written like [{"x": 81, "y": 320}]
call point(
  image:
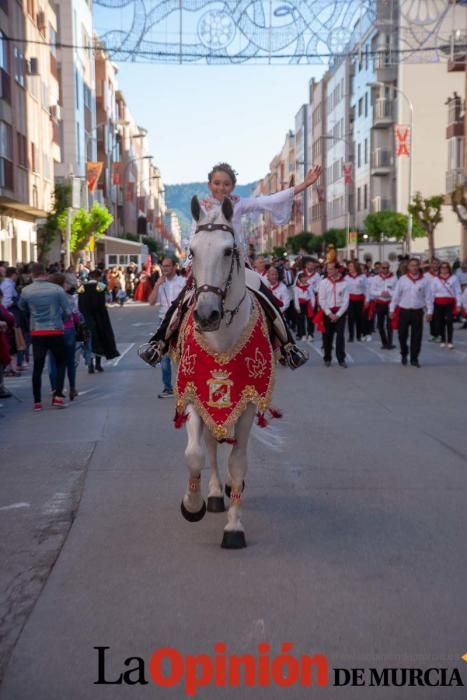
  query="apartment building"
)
[
  {"x": 29, "y": 123},
  {"x": 301, "y": 167},
  {"x": 317, "y": 92}
]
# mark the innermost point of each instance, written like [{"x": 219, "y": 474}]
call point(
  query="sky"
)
[{"x": 199, "y": 115}]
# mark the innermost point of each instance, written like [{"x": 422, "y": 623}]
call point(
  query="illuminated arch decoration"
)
[{"x": 262, "y": 31}]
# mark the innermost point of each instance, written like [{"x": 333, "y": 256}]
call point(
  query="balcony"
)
[
  {"x": 380, "y": 204},
  {"x": 385, "y": 65},
  {"x": 383, "y": 113},
  {"x": 382, "y": 162},
  {"x": 455, "y": 178},
  {"x": 457, "y": 51}
]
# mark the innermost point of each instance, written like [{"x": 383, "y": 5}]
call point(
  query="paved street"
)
[{"x": 355, "y": 515}]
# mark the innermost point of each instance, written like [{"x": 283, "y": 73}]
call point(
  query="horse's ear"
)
[
  {"x": 195, "y": 208},
  {"x": 227, "y": 208}
]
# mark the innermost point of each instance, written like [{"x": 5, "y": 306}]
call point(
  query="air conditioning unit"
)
[
  {"x": 41, "y": 21},
  {"x": 33, "y": 66},
  {"x": 55, "y": 112}
]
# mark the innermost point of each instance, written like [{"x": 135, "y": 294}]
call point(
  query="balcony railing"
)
[
  {"x": 380, "y": 204},
  {"x": 382, "y": 160},
  {"x": 455, "y": 178},
  {"x": 383, "y": 112}
]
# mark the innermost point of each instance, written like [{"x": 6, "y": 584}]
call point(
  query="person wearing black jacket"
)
[{"x": 91, "y": 302}]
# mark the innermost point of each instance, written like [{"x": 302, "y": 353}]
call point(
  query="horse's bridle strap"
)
[{"x": 215, "y": 227}]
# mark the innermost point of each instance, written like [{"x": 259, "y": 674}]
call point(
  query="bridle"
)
[{"x": 222, "y": 293}]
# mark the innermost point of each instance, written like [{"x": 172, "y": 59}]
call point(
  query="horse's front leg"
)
[
  {"x": 234, "y": 534},
  {"x": 215, "y": 494},
  {"x": 193, "y": 506}
]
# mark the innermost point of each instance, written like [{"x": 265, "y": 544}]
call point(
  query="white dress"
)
[{"x": 279, "y": 205}]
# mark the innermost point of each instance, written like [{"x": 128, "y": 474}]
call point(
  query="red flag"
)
[
  {"x": 348, "y": 170},
  {"x": 93, "y": 173},
  {"x": 402, "y": 134},
  {"x": 117, "y": 173}
]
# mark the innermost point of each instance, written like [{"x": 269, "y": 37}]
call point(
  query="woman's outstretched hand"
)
[{"x": 310, "y": 178}]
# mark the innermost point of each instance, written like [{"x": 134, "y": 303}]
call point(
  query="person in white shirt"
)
[
  {"x": 278, "y": 289},
  {"x": 166, "y": 290},
  {"x": 446, "y": 292},
  {"x": 431, "y": 274},
  {"x": 461, "y": 273},
  {"x": 464, "y": 306},
  {"x": 260, "y": 266},
  {"x": 304, "y": 306},
  {"x": 358, "y": 299},
  {"x": 412, "y": 295},
  {"x": 381, "y": 291},
  {"x": 333, "y": 299}
]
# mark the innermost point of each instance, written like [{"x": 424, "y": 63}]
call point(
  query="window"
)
[
  {"x": 359, "y": 199},
  {"x": 35, "y": 197},
  {"x": 34, "y": 163},
  {"x": 22, "y": 150},
  {"x": 77, "y": 87},
  {"x": 360, "y": 107},
  {"x": 19, "y": 66},
  {"x": 6, "y": 151},
  {"x": 366, "y": 151},
  {"x": 53, "y": 40},
  {"x": 359, "y": 155},
  {"x": 366, "y": 104},
  {"x": 87, "y": 96},
  {"x": 365, "y": 197},
  {"x": 5, "y": 90}
]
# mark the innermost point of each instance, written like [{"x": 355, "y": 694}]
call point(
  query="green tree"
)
[
  {"x": 88, "y": 224},
  {"x": 459, "y": 204},
  {"x": 390, "y": 224},
  {"x": 153, "y": 246},
  {"x": 55, "y": 224},
  {"x": 299, "y": 242},
  {"x": 278, "y": 251},
  {"x": 427, "y": 214},
  {"x": 336, "y": 236}
]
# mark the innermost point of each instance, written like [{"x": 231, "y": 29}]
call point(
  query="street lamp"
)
[
  {"x": 130, "y": 162},
  {"x": 349, "y": 145},
  {"x": 379, "y": 84}
]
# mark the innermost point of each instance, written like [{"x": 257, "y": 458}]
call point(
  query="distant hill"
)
[{"x": 178, "y": 198}]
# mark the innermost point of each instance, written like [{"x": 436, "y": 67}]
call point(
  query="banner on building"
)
[
  {"x": 402, "y": 137},
  {"x": 117, "y": 173},
  {"x": 130, "y": 191},
  {"x": 93, "y": 173},
  {"x": 348, "y": 170}
]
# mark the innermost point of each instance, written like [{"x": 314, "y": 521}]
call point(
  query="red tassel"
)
[
  {"x": 180, "y": 419},
  {"x": 262, "y": 422},
  {"x": 275, "y": 413},
  {"x": 228, "y": 441}
]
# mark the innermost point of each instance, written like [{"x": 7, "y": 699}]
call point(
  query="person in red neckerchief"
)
[
  {"x": 446, "y": 293},
  {"x": 260, "y": 266},
  {"x": 278, "y": 289},
  {"x": 333, "y": 299},
  {"x": 432, "y": 273},
  {"x": 381, "y": 291},
  {"x": 304, "y": 306},
  {"x": 358, "y": 299},
  {"x": 412, "y": 295}
]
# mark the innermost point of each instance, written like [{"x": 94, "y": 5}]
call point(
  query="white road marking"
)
[
  {"x": 115, "y": 362},
  {"x": 13, "y": 506},
  {"x": 150, "y": 323}
]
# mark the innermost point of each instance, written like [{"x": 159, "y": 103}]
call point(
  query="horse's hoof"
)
[
  {"x": 193, "y": 517},
  {"x": 216, "y": 504},
  {"x": 228, "y": 489},
  {"x": 233, "y": 539}
]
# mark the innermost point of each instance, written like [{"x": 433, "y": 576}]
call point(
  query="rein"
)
[{"x": 222, "y": 293}]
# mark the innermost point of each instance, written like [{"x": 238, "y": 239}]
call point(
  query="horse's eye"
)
[
  {"x": 227, "y": 252},
  {"x": 192, "y": 255}
]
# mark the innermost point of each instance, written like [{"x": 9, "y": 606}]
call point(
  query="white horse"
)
[{"x": 223, "y": 307}]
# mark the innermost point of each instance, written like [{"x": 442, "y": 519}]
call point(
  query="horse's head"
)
[{"x": 215, "y": 260}]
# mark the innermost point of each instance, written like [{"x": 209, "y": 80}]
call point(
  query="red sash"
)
[
  {"x": 395, "y": 320},
  {"x": 319, "y": 321},
  {"x": 221, "y": 385}
]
